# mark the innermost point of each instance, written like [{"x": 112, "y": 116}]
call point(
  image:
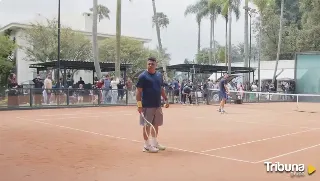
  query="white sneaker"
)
[
  {"x": 150, "y": 149},
  {"x": 160, "y": 147}
]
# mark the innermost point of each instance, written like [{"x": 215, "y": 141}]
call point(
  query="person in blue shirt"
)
[
  {"x": 223, "y": 92},
  {"x": 176, "y": 90},
  {"x": 150, "y": 88}
]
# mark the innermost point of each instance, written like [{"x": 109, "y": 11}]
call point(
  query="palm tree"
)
[
  {"x": 246, "y": 37},
  {"x": 224, "y": 13},
  {"x": 102, "y": 11},
  {"x": 163, "y": 20},
  {"x": 157, "y": 24},
  {"x": 95, "y": 38},
  {"x": 227, "y": 8},
  {"x": 232, "y": 5},
  {"x": 196, "y": 9},
  {"x": 279, "y": 43},
  {"x": 118, "y": 37},
  {"x": 214, "y": 8},
  {"x": 99, "y": 12},
  {"x": 261, "y": 5}
]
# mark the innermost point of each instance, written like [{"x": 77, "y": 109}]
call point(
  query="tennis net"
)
[{"x": 300, "y": 102}]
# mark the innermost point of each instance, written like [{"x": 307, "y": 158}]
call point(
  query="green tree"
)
[
  {"x": 132, "y": 52},
  {"x": 309, "y": 36},
  {"x": 163, "y": 20},
  {"x": 102, "y": 12},
  {"x": 95, "y": 52},
  {"x": 160, "y": 24},
  {"x": 118, "y": 37},
  {"x": 42, "y": 44},
  {"x": 7, "y": 46},
  {"x": 200, "y": 13},
  {"x": 227, "y": 8},
  {"x": 279, "y": 42}
]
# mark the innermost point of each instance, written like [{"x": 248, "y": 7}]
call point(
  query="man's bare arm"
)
[{"x": 138, "y": 94}]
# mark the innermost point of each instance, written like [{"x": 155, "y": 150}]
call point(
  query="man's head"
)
[
  {"x": 38, "y": 76},
  {"x": 152, "y": 64},
  {"x": 226, "y": 75}
]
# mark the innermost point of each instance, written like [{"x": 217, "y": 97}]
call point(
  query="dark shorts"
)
[
  {"x": 153, "y": 115},
  {"x": 176, "y": 92},
  {"x": 223, "y": 95}
]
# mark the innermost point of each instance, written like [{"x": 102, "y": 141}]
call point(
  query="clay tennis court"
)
[{"x": 93, "y": 144}]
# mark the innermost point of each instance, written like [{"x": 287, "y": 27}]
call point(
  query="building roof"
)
[
  {"x": 79, "y": 65},
  {"x": 87, "y": 33},
  {"x": 207, "y": 68}
]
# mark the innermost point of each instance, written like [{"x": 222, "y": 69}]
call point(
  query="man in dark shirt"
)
[
  {"x": 223, "y": 92},
  {"x": 186, "y": 93},
  {"x": 149, "y": 91},
  {"x": 38, "y": 85}
]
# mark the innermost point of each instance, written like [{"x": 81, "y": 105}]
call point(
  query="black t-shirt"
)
[
  {"x": 37, "y": 83},
  {"x": 187, "y": 90},
  {"x": 120, "y": 86}
]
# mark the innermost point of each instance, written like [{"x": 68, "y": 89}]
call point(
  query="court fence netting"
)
[{"x": 299, "y": 102}]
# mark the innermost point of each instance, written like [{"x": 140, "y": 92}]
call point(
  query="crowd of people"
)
[{"x": 48, "y": 92}]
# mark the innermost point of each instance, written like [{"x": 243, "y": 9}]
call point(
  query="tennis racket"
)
[{"x": 146, "y": 125}]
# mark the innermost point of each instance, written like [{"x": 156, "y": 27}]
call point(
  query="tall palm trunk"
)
[
  {"x": 279, "y": 43},
  {"x": 214, "y": 42},
  {"x": 118, "y": 39},
  {"x": 211, "y": 30},
  {"x": 246, "y": 36},
  {"x": 226, "y": 47},
  {"x": 199, "y": 36},
  {"x": 164, "y": 64},
  {"x": 95, "y": 39},
  {"x": 229, "y": 46}
]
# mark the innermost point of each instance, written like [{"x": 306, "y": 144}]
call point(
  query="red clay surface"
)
[{"x": 106, "y": 143}]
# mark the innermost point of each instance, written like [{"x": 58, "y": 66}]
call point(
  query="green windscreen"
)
[{"x": 308, "y": 74}]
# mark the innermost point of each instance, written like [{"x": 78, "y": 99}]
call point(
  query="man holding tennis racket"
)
[
  {"x": 148, "y": 95},
  {"x": 223, "y": 92}
]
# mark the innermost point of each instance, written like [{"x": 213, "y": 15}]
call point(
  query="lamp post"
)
[{"x": 251, "y": 13}]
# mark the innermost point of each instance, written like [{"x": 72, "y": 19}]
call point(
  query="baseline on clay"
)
[{"x": 132, "y": 140}]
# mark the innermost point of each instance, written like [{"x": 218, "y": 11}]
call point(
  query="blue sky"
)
[{"x": 180, "y": 38}]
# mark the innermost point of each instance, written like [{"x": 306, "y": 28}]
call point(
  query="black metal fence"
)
[
  {"x": 251, "y": 97},
  {"x": 26, "y": 98}
]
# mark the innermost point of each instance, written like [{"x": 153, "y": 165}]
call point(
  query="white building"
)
[
  {"x": 24, "y": 73},
  {"x": 285, "y": 69}
]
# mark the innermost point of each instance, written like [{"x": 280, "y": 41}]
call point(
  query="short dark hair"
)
[{"x": 152, "y": 59}]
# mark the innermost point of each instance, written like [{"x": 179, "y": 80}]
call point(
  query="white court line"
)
[
  {"x": 254, "y": 122},
  {"x": 270, "y": 124},
  {"x": 74, "y": 117},
  {"x": 85, "y": 113},
  {"x": 122, "y": 138},
  {"x": 265, "y": 139},
  {"x": 127, "y": 113},
  {"x": 286, "y": 154}
]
